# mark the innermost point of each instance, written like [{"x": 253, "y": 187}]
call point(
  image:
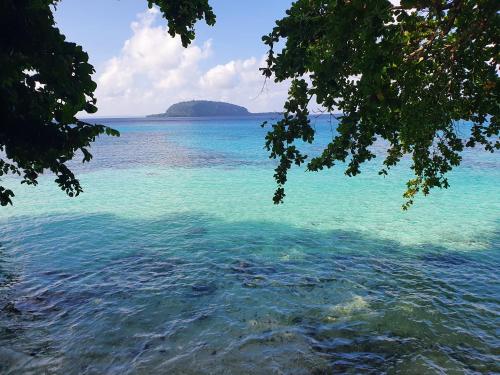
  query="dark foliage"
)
[
  {"x": 45, "y": 81},
  {"x": 404, "y": 74}
]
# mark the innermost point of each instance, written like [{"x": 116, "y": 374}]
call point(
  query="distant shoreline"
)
[
  {"x": 263, "y": 116},
  {"x": 249, "y": 115},
  {"x": 202, "y": 110}
]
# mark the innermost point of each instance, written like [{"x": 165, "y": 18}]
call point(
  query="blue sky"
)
[{"x": 132, "y": 54}]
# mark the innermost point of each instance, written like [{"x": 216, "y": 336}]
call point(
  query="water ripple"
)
[{"x": 175, "y": 296}]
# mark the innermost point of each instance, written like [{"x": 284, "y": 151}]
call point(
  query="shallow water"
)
[{"x": 175, "y": 260}]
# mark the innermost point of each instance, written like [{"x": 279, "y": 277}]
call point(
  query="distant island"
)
[{"x": 206, "y": 108}]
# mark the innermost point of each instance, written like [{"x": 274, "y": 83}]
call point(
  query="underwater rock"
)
[
  {"x": 203, "y": 289},
  {"x": 248, "y": 284},
  {"x": 308, "y": 283},
  {"x": 327, "y": 279},
  {"x": 242, "y": 267},
  {"x": 10, "y": 308},
  {"x": 246, "y": 268},
  {"x": 297, "y": 320},
  {"x": 357, "y": 304}
]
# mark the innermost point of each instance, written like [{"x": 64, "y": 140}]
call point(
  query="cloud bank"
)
[{"x": 153, "y": 71}]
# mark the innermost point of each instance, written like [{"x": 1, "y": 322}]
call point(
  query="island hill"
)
[{"x": 206, "y": 108}]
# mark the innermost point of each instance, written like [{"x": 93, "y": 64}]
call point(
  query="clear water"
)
[{"x": 175, "y": 261}]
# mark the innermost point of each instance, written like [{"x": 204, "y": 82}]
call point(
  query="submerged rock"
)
[
  {"x": 249, "y": 284},
  {"x": 357, "y": 304},
  {"x": 10, "y": 308},
  {"x": 203, "y": 289},
  {"x": 243, "y": 267}
]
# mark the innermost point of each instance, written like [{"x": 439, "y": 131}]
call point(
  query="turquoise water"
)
[{"x": 175, "y": 261}]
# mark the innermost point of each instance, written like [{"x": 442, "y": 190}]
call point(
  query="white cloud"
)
[{"x": 154, "y": 71}]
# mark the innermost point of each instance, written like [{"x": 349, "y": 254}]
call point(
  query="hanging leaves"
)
[
  {"x": 45, "y": 81},
  {"x": 404, "y": 74}
]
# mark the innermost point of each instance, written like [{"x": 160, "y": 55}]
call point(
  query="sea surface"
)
[{"x": 176, "y": 261}]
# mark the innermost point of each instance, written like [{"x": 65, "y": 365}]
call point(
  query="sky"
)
[{"x": 141, "y": 70}]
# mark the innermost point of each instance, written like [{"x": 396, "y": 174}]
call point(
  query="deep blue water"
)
[{"x": 175, "y": 261}]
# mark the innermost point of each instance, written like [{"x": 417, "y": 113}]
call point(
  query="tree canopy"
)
[
  {"x": 404, "y": 74},
  {"x": 45, "y": 81},
  {"x": 399, "y": 73}
]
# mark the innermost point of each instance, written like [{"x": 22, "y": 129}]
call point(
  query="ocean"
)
[{"x": 174, "y": 260}]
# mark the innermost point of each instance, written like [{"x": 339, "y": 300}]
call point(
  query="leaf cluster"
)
[
  {"x": 182, "y": 15},
  {"x": 403, "y": 74},
  {"x": 45, "y": 81}
]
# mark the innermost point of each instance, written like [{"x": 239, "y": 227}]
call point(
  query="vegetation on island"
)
[
  {"x": 401, "y": 73},
  {"x": 208, "y": 108},
  {"x": 203, "y": 108}
]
